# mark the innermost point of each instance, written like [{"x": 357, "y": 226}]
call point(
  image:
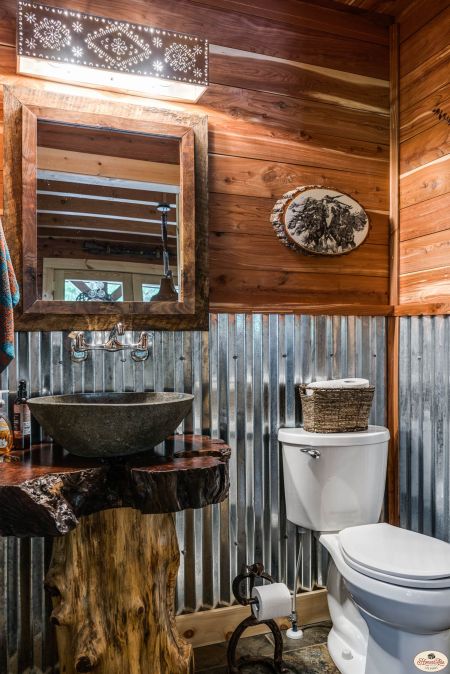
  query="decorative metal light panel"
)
[
  {"x": 66, "y": 36},
  {"x": 320, "y": 220}
]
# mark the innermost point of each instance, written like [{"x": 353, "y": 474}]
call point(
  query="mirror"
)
[
  {"x": 107, "y": 215},
  {"x": 105, "y": 212}
]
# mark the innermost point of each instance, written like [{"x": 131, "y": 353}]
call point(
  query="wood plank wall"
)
[
  {"x": 299, "y": 95},
  {"x": 424, "y": 154}
]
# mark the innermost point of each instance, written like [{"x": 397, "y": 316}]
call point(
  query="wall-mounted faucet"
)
[{"x": 139, "y": 352}]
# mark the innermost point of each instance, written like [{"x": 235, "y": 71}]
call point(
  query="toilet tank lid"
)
[
  {"x": 395, "y": 552},
  {"x": 298, "y": 436}
]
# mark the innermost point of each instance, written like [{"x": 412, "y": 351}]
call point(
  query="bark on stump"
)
[{"x": 113, "y": 581}]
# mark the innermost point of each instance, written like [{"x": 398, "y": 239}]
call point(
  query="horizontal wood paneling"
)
[
  {"x": 426, "y": 287},
  {"x": 419, "y": 116},
  {"x": 283, "y": 289},
  {"x": 250, "y": 71},
  {"x": 259, "y": 35},
  {"x": 255, "y": 252},
  {"x": 305, "y": 15},
  {"x": 424, "y": 155},
  {"x": 425, "y": 252},
  {"x": 425, "y": 183},
  {"x": 251, "y": 177},
  {"x": 425, "y": 217},
  {"x": 298, "y": 95},
  {"x": 425, "y": 147},
  {"x": 416, "y": 13},
  {"x": 433, "y": 38},
  {"x": 251, "y": 215},
  {"x": 429, "y": 77}
]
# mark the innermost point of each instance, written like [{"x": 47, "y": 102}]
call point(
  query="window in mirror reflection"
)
[{"x": 99, "y": 197}]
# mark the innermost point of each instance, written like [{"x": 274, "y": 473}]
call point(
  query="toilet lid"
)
[{"x": 397, "y": 556}]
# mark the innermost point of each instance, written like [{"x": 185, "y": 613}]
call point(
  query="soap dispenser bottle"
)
[{"x": 22, "y": 418}]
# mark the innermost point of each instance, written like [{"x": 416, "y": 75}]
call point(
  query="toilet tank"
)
[{"x": 334, "y": 480}]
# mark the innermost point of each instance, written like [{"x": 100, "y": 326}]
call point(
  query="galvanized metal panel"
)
[
  {"x": 425, "y": 424},
  {"x": 243, "y": 374}
]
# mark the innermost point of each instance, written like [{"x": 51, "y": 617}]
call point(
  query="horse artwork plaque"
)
[{"x": 320, "y": 220}]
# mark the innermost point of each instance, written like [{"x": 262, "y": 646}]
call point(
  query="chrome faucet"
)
[
  {"x": 112, "y": 343},
  {"x": 80, "y": 349}
]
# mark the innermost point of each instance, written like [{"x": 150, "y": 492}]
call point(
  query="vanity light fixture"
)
[{"x": 77, "y": 48}]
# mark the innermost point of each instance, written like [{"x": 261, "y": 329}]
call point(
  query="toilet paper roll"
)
[
  {"x": 349, "y": 382},
  {"x": 274, "y": 601}
]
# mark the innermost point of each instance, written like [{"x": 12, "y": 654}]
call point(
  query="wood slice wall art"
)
[{"x": 320, "y": 220}]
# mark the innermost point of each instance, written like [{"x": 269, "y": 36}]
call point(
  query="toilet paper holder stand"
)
[{"x": 250, "y": 574}]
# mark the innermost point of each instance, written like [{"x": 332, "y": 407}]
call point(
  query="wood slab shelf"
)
[{"x": 115, "y": 553}]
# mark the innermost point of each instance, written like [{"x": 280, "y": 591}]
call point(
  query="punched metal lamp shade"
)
[{"x": 69, "y": 46}]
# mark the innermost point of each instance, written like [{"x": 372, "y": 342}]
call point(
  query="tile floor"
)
[{"x": 305, "y": 656}]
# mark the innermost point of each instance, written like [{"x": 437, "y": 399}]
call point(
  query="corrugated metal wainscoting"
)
[
  {"x": 243, "y": 374},
  {"x": 425, "y": 424}
]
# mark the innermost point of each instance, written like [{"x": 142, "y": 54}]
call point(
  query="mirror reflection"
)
[{"x": 107, "y": 215}]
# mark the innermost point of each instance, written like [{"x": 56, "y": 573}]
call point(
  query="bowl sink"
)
[{"x": 110, "y": 424}]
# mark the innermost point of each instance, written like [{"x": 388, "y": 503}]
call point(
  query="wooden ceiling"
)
[{"x": 85, "y": 194}]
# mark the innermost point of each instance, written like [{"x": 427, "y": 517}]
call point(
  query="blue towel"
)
[{"x": 9, "y": 297}]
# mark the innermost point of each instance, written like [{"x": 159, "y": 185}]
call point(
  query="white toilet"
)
[{"x": 388, "y": 588}]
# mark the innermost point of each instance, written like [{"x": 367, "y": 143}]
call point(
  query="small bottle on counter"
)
[
  {"x": 22, "y": 418},
  {"x": 6, "y": 433}
]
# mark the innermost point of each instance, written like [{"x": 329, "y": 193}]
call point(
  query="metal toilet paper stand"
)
[{"x": 251, "y": 573}]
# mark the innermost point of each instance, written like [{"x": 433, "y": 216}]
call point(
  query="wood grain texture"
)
[
  {"x": 424, "y": 157},
  {"x": 426, "y": 217},
  {"x": 394, "y": 233},
  {"x": 428, "y": 182},
  {"x": 426, "y": 287},
  {"x": 124, "y": 619},
  {"x": 251, "y": 177},
  {"x": 47, "y": 492},
  {"x": 100, "y": 141},
  {"x": 433, "y": 38},
  {"x": 297, "y": 96},
  {"x": 425, "y": 252},
  {"x": 34, "y": 313},
  {"x": 224, "y": 28},
  {"x": 426, "y": 146},
  {"x": 204, "y": 628},
  {"x": 415, "y": 14}
]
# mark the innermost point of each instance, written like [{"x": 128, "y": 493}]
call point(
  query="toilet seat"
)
[{"x": 396, "y": 556}]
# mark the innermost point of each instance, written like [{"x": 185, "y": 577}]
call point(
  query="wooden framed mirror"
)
[{"x": 105, "y": 212}]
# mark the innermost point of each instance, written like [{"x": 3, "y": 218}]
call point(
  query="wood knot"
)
[
  {"x": 188, "y": 634},
  {"x": 84, "y": 664}
]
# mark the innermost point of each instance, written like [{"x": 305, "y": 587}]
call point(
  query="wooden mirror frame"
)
[{"x": 23, "y": 108}]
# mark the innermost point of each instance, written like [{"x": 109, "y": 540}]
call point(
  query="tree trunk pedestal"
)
[
  {"x": 113, "y": 581},
  {"x": 115, "y": 554}
]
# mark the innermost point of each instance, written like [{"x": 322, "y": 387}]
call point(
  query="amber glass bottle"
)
[
  {"x": 6, "y": 434},
  {"x": 22, "y": 418}
]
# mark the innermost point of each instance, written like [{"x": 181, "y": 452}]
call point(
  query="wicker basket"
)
[{"x": 338, "y": 410}]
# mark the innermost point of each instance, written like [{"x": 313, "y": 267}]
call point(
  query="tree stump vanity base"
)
[
  {"x": 113, "y": 581},
  {"x": 115, "y": 553}
]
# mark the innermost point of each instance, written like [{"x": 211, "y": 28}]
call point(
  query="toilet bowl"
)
[{"x": 388, "y": 588}]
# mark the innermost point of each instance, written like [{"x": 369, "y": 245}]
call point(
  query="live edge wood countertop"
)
[{"x": 48, "y": 490}]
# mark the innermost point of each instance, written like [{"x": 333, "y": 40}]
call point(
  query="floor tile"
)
[
  {"x": 305, "y": 656},
  {"x": 312, "y": 660},
  {"x": 208, "y": 657}
]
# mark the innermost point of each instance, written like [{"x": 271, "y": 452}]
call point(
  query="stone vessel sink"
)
[{"x": 106, "y": 425}]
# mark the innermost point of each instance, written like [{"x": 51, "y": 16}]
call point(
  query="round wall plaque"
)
[{"x": 320, "y": 220}]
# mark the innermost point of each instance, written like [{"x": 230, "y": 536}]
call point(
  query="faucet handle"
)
[
  {"x": 143, "y": 341},
  {"x": 78, "y": 338}
]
